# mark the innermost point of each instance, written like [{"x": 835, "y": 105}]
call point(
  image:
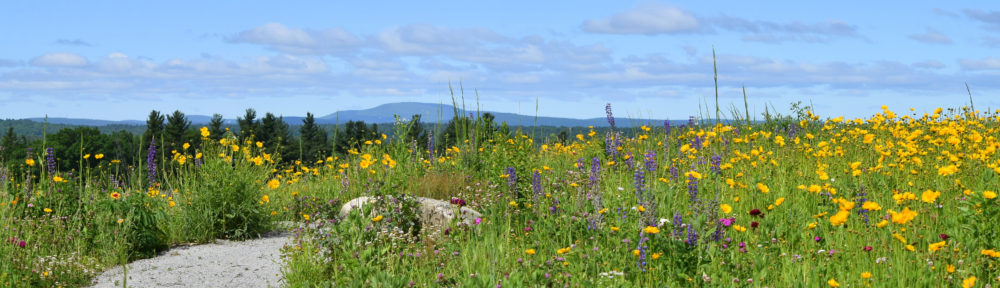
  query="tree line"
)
[{"x": 306, "y": 142}]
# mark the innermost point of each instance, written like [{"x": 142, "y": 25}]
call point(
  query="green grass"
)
[{"x": 613, "y": 226}]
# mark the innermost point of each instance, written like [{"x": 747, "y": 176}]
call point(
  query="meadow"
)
[{"x": 891, "y": 200}]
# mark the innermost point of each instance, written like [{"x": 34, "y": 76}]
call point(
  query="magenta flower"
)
[
  {"x": 868, "y": 248},
  {"x": 21, "y": 244}
]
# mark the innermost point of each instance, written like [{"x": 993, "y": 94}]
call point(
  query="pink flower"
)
[{"x": 21, "y": 244}]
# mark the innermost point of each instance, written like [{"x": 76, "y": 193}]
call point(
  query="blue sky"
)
[{"x": 118, "y": 60}]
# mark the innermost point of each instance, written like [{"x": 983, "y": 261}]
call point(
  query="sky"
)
[{"x": 118, "y": 60}]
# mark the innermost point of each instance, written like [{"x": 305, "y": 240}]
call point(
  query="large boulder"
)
[{"x": 433, "y": 212}]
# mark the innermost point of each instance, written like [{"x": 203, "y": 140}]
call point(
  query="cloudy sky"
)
[{"x": 118, "y": 60}]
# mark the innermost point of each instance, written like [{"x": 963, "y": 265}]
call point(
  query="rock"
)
[{"x": 433, "y": 212}]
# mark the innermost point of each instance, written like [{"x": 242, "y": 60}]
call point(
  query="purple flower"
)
[
  {"x": 479, "y": 220},
  {"x": 50, "y": 160},
  {"x": 817, "y": 239},
  {"x": 151, "y": 162},
  {"x": 611, "y": 118},
  {"x": 650, "y": 161},
  {"x": 726, "y": 222},
  {"x": 21, "y": 244}
]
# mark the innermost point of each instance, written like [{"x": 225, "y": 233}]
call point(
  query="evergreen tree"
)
[
  {"x": 314, "y": 145},
  {"x": 275, "y": 134},
  {"x": 248, "y": 124},
  {"x": 174, "y": 133},
  {"x": 154, "y": 126},
  {"x": 215, "y": 127}
]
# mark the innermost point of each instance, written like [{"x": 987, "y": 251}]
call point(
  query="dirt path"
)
[{"x": 251, "y": 263}]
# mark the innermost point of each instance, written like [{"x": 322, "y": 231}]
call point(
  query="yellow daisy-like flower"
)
[
  {"x": 98, "y": 156},
  {"x": 47, "y": 210},
  {"x": 929, "y": 196},
  {"x": 30, "y": 162},
  {"x": 989, "y": 194},
  {"x": 377, "y": 218},
  {"x": 273, "y": 184},
  {"x": 866, "y": 275},
  {"x": 833, "y": 283},
  {"x": 726, "y": 208},
  {"x": 651, "y": 230},
  {"x": 530, "y": 251},
  {"x": 969, "y": 282}
]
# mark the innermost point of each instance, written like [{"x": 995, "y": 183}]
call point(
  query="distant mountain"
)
[
  {"x": 430, "y": 113},
  {"x": 87, "y": 122}
]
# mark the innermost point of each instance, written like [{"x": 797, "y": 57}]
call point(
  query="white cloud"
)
[
  {"x": 59, "y": 60},
  {"x": 648, "y": 19},
  {"x": 297, "y": 41},
  {"x": 929, "y": 64},
  {"x": 656, "y": 19},
  {"x": 988, "y": 63},
  {"x": 932, "y": 36}
]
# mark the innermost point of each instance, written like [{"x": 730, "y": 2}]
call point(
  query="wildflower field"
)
[{"x": 891, "y": 200}]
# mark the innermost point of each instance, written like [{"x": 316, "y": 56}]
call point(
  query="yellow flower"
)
[
  {"x": 947, "y": 170},
  {"x": 694, "y": 174},
  {"x": 929, "y": 196},
  {"x": 266, "y": 199},
  {"x": 259, "y": 144},
  {"x": 57, "y": 179},
  {"x": 651, "y": 230},
  {"x": 726, "y": 208},
  {"x": 47, "y": 210},
  {"x": 236, "y": 148},
  {"x": 872, "y": 206},
  {"x": 635, "y": 252},
  {"x": 902, "y": 217},
  {"x": 812, "y": 225},
  {"x": 98, "y": 156},
  {"x": 563, "y": 250},
  {"x": 778, "y": 201},
  {"x": 120, "y": 220},
  {"x": 969, "y": 282},
  {"x": 763, "y": 188},
  {"x": 172, "y": 203},
  {"x": 989, "y": 194},
  {"x": 530, "y": 251},
  {"x": 204, "y": 131},
  {"x": 910, "y": 247},
  {"x": 739, "y": 228},
  {"x": 29, "y": 161},
  {"x": 273, "y": 184},
  {"x": 657, "y": 255},
  {"x": 950, "y": 269},
  {"x": 116, "y": 195},
  {"x": 305, "y": 216},
  {"x": 602, "y": 211},
  {"x": 86, "y": 156},
  {"x": 377, "y": 218},
  {"x": 513, "y": 204},
  {"x": 181, "y": 159},
  {"x": 186, "y": 145},
  {"x": 642, "y": 209},
  {"x": 839, "y": 218},
  {"x": 866, "y": 275},
  {"x": 833, "y": 283},
  {"x": 614, "y": 229},
  {"x": 933, "y": 247},
  {"x": 882, "y": 223}
]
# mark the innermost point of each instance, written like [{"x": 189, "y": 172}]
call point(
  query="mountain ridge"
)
[{"x": 384, "y": 113}]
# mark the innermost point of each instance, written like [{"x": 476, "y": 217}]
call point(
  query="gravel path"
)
[{"x": 251, "y": 263}]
